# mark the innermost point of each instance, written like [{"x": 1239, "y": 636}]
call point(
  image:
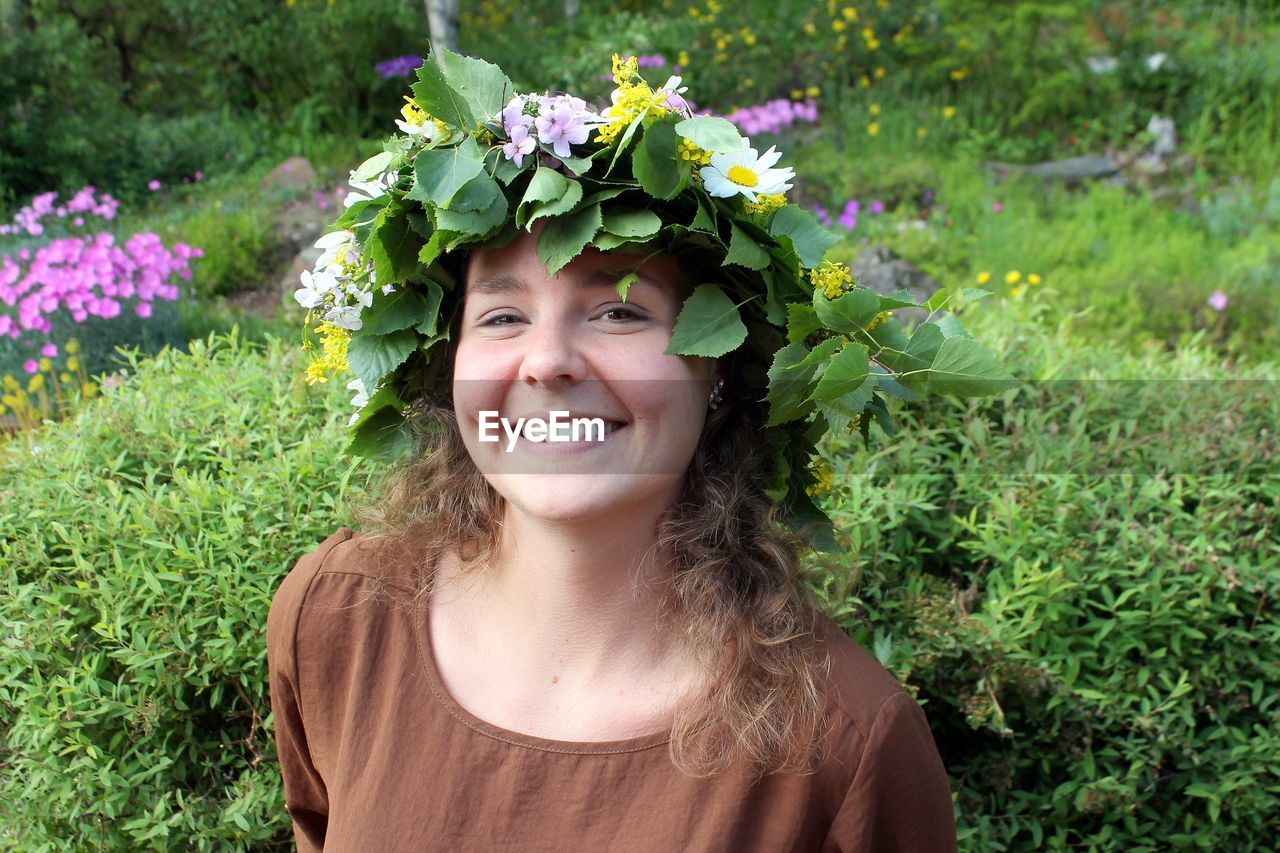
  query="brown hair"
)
[{"x": 737, "y": 592}]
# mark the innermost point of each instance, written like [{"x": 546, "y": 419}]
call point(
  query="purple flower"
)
[
  {"x": 1218, "y": 300},
  {"x": 49, "y": 350},
  {"x": 30, "y": 366},
  {"x": 877, "y": 207},
  {"x": 559, "y": 127},
  {"x": 401, "y": 66},
  {"x": 823, "y": 217},
  {"x": 852, "y": 207},
  {"x": 153, "y": 185},
  {"x": 521, "y": 144},
  {"x": 848, "y": 220}
]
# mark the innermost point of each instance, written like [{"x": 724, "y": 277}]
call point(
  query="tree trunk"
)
[{"x": 442, "y": 20}]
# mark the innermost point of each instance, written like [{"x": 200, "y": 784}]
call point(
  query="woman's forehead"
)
[{"x": 510, "y": 266}]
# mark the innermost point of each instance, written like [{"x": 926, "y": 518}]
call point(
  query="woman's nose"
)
[{"x": 552, "y": 353}]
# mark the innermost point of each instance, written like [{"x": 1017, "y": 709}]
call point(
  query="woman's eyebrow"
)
[{"x": 503, "y": 283}]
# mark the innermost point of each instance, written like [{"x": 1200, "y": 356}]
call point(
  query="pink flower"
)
[
  {"x": 1218, "y": 300},
  {"x": 560, "y": 127},
  {"x": 153, "y": 185},
  {"x": 49, "y": 350},
  {"x": 199, "y": 175},
  {"x": 143, "y": 309},
  {"x": 30, "y": 365},
  {"x": 521, "y": 144},
  {"x": 997, "y": 207}
]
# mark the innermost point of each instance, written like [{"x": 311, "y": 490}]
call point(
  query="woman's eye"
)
[
  {"x": 499, "y": 320},
  {"x": 622, "y": 314}
]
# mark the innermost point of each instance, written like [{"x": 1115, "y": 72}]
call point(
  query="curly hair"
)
[{"x": 737, "y": 593}]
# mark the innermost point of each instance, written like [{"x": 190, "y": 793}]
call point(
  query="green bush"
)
[
  {"x": 142, "y": 541},
  {"x": 245, "y": 247},
  {"x": 1079, "y": 579}
]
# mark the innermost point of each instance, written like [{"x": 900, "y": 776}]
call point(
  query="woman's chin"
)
[{"x": 570, "y": 498}]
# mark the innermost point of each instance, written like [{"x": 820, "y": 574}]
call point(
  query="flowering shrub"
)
[
  {"x": 774, "y": 116},
  {"x": 50, "y": 388},
  {"x": 76, "y": 275}
]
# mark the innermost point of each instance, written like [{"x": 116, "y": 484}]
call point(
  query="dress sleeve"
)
[
  {"x": 305, "y": 795},
  {"x": 900, "y": 798}
]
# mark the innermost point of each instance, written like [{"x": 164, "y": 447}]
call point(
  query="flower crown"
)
[{"x": 476, "y": 163}]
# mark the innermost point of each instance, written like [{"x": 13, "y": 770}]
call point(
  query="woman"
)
[{"x": 594, "y": 644}]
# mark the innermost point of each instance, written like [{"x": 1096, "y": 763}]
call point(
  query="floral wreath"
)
[{"x": 476, "y": 163}]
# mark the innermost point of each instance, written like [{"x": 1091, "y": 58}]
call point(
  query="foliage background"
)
[{"x": 1078, "y": 579}]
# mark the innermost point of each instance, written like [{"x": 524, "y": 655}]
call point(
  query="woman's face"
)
[{"x": 530, "y": 345}]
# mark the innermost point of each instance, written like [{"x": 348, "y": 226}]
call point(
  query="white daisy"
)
[{"x": 744, "y": 172}]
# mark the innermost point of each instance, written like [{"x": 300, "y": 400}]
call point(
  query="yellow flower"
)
[
  {"x": 1017, "y": 292},
  {"x": 838, "y": 25},
  {"x": 878, "y": 319},
  {"x": 810, "y": 29},
  {"x": 879, "y": 72},
  {"x": 691, "y": 152},
  {"x": 948, "y": 112},
  {"x": 694, "y": 12},
  {"x": 873, "y": 45},
  {"x": 868, "y": 33},
  {"x": 749, "y": 38},
  {"x": 830, "y": 277},
  {"x": 35, "y": 383},
  {"x": 797, "y": 94},
  {"x": 9, "y": 383},
  {"x": 1012, "y": 277},
  {"x": 875, "y": 109},
  {"x": 46, "y": 365},
  {"x": 72, "y": 347},
  {"x": 683, "y": 58},
  {"x": 921, "y": 132},
  {"x": 1033, "y": 279},
  {"x": 813, "y": 91},
  {"x": 766, "y": 203},
  {"x": 334, "y": 340},
  {"x": 73, "y": 363},
  {"x": 88, "y": 389},
  {"x": 883, "y": 4},
  {"x": 64, "y": 377},
  {"x": 850, "y": 14},
  {"x": 824, "y": 480},
  {"x": 984, "y": 277},
  {"x": 959, "y": 73},
  {"x": 864, "y": 81},
  {"x": 721, "y": 57},
  {"x": 873, "y": 128}
]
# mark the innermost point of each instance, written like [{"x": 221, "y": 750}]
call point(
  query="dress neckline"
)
[{"x": 514, "y": 738}]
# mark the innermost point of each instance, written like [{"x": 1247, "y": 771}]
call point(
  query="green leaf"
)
[
  {"x": 607, "y": 242},
  {"x": 477, "y": 194},
  {"x": 966, "y": 368},
  {"x": 810, "y": 239},
  {"x": 549, "y": 194},
  {"x": 744, "y": 251},
  {"x": 439, "y": 99},
  {"x": 382, "y": 398},
  {"x": 821, "y": 353},
  {"x": 626, "y": 139},
  {"x": 849, "y": 312},
  {"x": 393, "y": 247},
  {"x": 476, "y": 223},
  {"x": 974, "y": 294},
  {"x": 635, "y": 223},
  {"x": 705, "y": 218},
  {"x": 599, "y": 197},
  {"x": 623, "y": 284},
  {"x": 712, "y": 133},
  {"x": 659, "y": 169},
  {"x": 439, "y": 173},
  {"x": 951, "y": 327},
  {"x": 373, "y": 167},
  {"x": 435, "y": 295},
  {"x": 788, "y": 395},
  {"x": 374, "y": 356},
  {"x": 709, "y": 324},
  {"x": 393, "y": 311},
  {"x": 482, "y": 85},
  {"x": 802, "y": 321},
  {"x": 564, "y": 237},
  {"x": 847, "y": 372},
  {"x": 898, "y": 299},
  {"x": 383, "y": 437}
]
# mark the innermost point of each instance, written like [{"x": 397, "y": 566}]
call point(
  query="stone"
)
[
  {"x": 1165, "y": 133},
  {"x": 295, "y": 174}
]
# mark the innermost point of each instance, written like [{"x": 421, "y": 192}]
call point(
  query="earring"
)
[{"x": 717, "y": 395}]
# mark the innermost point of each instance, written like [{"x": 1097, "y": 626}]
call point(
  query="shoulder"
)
[
  {"x": 855, "y": 685},
  {"x": 345, "y": 569}
]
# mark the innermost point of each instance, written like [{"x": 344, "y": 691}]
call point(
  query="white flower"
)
[
  {"x": 336, "y": 244},
  {"x": 368, "y": 190},
  {"x": 346, "y": 316},
  {"x": 744, "y": 172},
  {"x": 426, "y": 129},
  {"x": 1156, "y": 61},
  {"x": 672, "y": 93},
  {"x": 314, "y": 288},
  {"x": 388, "y": 288}
]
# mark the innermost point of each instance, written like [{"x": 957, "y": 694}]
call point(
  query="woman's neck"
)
[{"x": 580, "y": 601}]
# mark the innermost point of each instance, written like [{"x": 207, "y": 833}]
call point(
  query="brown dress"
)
[{"x": 376, "y": 756}]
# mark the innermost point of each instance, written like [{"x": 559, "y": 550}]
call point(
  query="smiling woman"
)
[{"x": 596, "y": 644}]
